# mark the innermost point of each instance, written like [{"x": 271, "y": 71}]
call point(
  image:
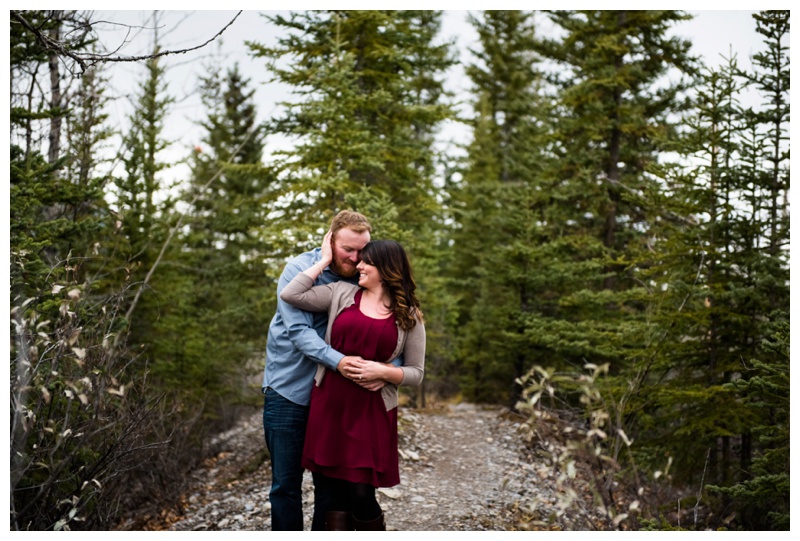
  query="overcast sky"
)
[{"x": 713, "y": 33}]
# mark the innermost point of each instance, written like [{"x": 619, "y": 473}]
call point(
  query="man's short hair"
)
[{"x": 352, "y": 220}]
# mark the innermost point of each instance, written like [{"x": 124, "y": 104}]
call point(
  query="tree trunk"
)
[{"x": 55, "y": 91}]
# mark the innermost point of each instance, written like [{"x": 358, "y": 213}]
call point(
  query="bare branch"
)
[{"x": 86, "y": 61}]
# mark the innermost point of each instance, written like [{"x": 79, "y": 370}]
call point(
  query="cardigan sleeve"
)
[
  {"x": 414, "y": 356},
  {"x": 302, "y": 293}
]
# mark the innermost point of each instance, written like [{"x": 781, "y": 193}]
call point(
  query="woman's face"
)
[{"x": 368, "y": 275}]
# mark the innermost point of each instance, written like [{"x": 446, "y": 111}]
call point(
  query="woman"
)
[{"x": 351, "y": 437}]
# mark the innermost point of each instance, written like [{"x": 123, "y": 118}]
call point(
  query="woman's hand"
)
[
  {"x": 374, "y": 385},
  {"x": 327, "y": 249},
  {"x": 368, "y": 371},
  {"x": 326, "y": 256},
  {"x": 351, "y": 367},
  {"x": 368, "y": 375},
  {"x": 363, "y": 371}
]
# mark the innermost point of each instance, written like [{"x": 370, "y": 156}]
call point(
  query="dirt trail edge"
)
[{"x": 463, "y": 467}]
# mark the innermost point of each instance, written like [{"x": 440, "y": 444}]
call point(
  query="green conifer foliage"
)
[
  {"x": 758, "y": 490},
  {"x": 368, "y": 87},
  {"x": 497, "y": 206},
  {"x": 691, "y": 275},
  {"x": 613, "y": 118},
  {"x": 142, "y": 204},
  {"x": 716, "y": 353},
  {"x": 223, "y": 263}
]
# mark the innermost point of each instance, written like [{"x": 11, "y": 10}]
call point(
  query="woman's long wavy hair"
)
[{"x": 392, "y": 263}]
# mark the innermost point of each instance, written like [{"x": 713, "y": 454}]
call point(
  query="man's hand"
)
[{"x": 348, "y": 365}]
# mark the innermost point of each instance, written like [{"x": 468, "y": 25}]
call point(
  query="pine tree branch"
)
[{"x": 667, "y": 214}]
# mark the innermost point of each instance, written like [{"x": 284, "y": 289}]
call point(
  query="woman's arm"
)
[
  {"x": 373, "y": 370},
  {"x": 414, "y": 353},
  {"x": 302, "y": 293}
]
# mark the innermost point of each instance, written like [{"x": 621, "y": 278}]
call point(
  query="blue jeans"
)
[{"x": 285, "y": 432}]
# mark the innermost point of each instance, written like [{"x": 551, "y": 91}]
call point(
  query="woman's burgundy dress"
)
[{"x": 350, "y": 435}]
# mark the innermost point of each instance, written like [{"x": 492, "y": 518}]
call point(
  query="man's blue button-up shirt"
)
[{"x": 295, "y": 342}]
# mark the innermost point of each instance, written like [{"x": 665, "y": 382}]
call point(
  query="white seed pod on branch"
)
[
  {"x": 73, "y": 337},
  {"x": 619, "y": 518}
]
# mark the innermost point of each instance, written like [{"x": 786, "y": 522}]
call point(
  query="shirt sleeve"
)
[{"x": 299, "y": 325}]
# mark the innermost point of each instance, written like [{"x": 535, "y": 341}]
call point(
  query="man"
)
[{"x": 294, "y": 347}]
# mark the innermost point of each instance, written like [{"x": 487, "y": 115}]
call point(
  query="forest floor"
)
[{"x": 463, "y": 467}]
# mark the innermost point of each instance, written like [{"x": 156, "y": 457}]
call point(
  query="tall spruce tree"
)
[
  {"x": 143, "y": 202},
  {"x": 758, "y": 490},
  {"x": 369, "y": 96},
  {"x": 88, "y": 165},
  {"x": 497, "y": 206},
  {"x": 215, "y": 324},
  {"x": 681, "y": 404},
  {"x": 714, "y": 361},
  {"x": 429, "y": 62},
  {"x": 614, "y": 114}
]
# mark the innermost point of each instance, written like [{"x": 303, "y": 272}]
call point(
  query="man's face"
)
[{"x": 347, "y": 246}]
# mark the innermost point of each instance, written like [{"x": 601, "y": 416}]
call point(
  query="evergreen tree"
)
[
  {"x": 699, "y": 390},
  {"x": 138, "y": 192},
  {"x": 497, "y": 207},
  {"x": 143, "y": 206},
  {"x": 614, "y": 116},
  {"x": 369, "y": 86},
  {"x": 759, "y": 489},
  {"x": 215, "y": 324},
  {"x": 88, "y": 163},
  {"x": 682, "y": 405}
]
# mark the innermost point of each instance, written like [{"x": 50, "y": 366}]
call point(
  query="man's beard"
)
[{"x": 344, "y": 272}]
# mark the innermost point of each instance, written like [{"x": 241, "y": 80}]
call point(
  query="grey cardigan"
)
[{"x": 337, "y": 296}]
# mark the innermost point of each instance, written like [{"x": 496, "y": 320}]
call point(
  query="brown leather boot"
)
[
  {"x": 374, "y": 525},
  {"x": 338, "y": 521}
]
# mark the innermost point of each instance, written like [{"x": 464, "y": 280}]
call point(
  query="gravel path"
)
[{"x": 463, "y": 467}]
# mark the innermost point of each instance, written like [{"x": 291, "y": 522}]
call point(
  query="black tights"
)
[{"x": 357, "y": 498}]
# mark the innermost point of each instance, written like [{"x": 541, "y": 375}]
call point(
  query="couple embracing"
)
[{"x": 347, "y": 331}]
